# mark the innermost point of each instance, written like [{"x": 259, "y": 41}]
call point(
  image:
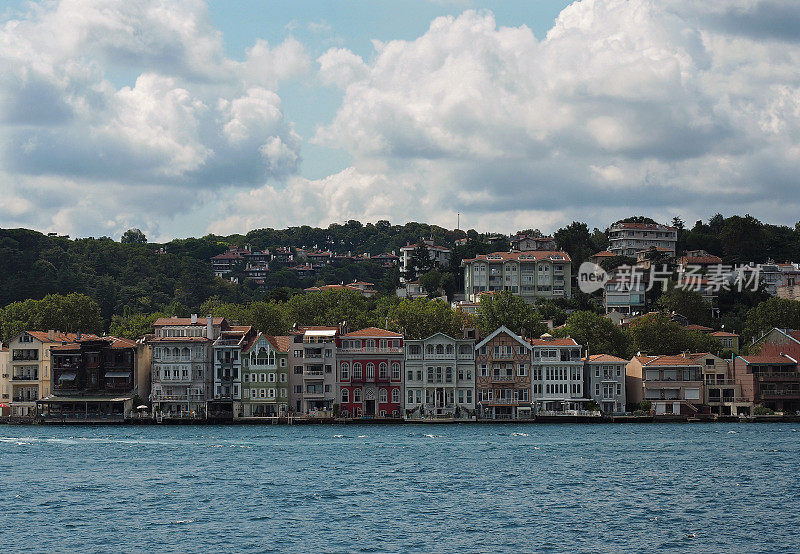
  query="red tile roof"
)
[
  {"x": 605, "y": 358},
  {"x": 372, "y": 332},
  {"x": 672, "y": 360},
  {"x": 723, "y": 334},
  {"x": 770, "y": 360},
  {"x": 180, "y": 339},
  {"x": 695, "y": 327},
  {"x": 603, "y": 254},
  {"x": 701, "y": 260},
  {"x": 532, "y": 255},
  {"x": 60, "y": 336}
]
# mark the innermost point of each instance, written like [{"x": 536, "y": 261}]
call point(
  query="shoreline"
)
[{"x": 541, "y": 420}]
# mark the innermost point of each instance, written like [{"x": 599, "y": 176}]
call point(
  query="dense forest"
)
[{"x": 132, "y": 280}]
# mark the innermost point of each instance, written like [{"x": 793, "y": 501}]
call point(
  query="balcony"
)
[
  {"x": 157, "y": 397},
  {"x": 25, "y": 378},
  {"x": 24, "y": 356},
  {"x": 503, "y": 378},
  {"x": 779, "y": 376},
  {"x": 314, "y": 373},
  {"x": 372, "y": 350},
  {"x": 780, "y": 393},
  {"x": 500, "y": 401}
]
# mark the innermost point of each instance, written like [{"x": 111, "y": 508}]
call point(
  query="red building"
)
[
  {"x": 370, "y": 373},
  {"x": 771, "y": 377}
]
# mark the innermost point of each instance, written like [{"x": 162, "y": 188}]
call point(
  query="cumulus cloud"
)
[
  {"x": 194, "y": 120},
  {"x": 625, "y": 106}
]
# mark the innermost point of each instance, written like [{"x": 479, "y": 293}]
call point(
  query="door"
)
[{"x": 369, "y": 407}]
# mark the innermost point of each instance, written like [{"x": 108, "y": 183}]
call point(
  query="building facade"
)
[
  {"x": 313, "y": 379},
  {"x": 626, "y": 239},
  {"x": 502, "y": 380},
  {"x": 265, "y": 377},
  {"x": 370, "y": 373},
  {"x": 183, "y": 365},
  {"x": 29, "y": 367},
  {"x": 672, "y": 384},
  {"x": 96, "y": 379},
  {"x": 529, "y": 275},
  {"x": 439, "y": 377},
  {"x": 556, "y": 375},
  {"x": 439, "y": 256},
  {"x": 228, "y": 353},
  {"x": 771, "y": 377},
  {"x": 605, "y": 379}
]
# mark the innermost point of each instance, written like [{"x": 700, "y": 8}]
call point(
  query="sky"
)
[{"x": 185, "y": 117}]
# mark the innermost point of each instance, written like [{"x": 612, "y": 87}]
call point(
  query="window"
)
[
  {"x": 370, "y": 370},
  {"x": 382, "y": 396},
  {"x": 396, "y": 371},
  {"x": 345, "y": 395},
  {"x": 484, "y": 370},
  {"x": 356, "y": 395},
  {"x": 298, "y": 370},
  {"x": 522, "y": 370},
  {"x": 383, "y": 370},
  {"x": 271, "y": 377},
  {"x": 357, "y": 370},
  {"x": 597, "y": 389},
  {"x": 396, "y": 396},
  {"x": 298, "y": 353},
  {"x": 410, "y": 399},
  {"x": 345, "y": 371},
  {"x": 448, "y": 375}
]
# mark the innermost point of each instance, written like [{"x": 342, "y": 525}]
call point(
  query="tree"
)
[
  {"x": 576, "y": 241},
  {"x": 420, "y": 318},
  {"x": 775, "y": 312},
  {"x": 421, "y": 262},
  {"x": 431, "y": 282},
  {"x": 505, "y": 309},
  {"x": 70, "y": 313},
  {"x": 686, "y": 302},
  {"x": 656, "y": 334},
  {"x": 598, "y": 333},
  {"x": 132, "y": 325},
  {"x": 133, "y": 236}
]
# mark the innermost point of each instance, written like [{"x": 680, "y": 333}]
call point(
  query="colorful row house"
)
[{"x": 370, "y": 379}]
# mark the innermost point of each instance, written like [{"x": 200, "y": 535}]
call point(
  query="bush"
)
[
  {"x": 645, "y": 406},
  {"x": 762, "y": 410}
]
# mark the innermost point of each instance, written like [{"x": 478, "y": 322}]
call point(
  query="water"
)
[{"x": 448, "y": 488}]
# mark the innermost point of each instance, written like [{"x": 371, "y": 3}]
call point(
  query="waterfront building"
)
[
  {"x": 605, "y": 379},
  {"x": 529, "y": 275},
  {"x": 626, "y": 239},
  {"x": 723, "y": 395},
  {"x": 370, "y": 373},
  {"x": 439, "y": 377},
  {"x": 100, "y": 378},
  {"x": 503, "y": 381},
  {"x": 228, "y": 352},
  {"x": 265, "y": 373},
  {"x": 556, "y": 374},
  {"x": 313, "y": 379},
  {"x": 183, "y": 364},
  {"x": 672, "y": 384},
  {"x": 29, "y": 367},
  {"x": 771, "y": 377}
]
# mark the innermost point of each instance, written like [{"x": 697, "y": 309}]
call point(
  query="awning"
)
[
  {"x": 125, "y": 374},
  {"x": 320, "y": 333},
  {"x": 67, "y": 377}
]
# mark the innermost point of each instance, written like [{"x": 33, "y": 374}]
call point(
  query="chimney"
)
[
  {"x": 194, "y": 319},
  {"x": 209, "y": 327},
  {"x": 51, "y": 335}
]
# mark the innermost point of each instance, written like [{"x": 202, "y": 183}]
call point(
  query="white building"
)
[
  {"x": 626, "y": 239},
  {"x": 439, "y": 256},
  {"x": 182, "y": 365},
  {"x": 312, "y": 380},
  {"x": 556, "y": 374},
  {"x": 606, "y": 381},
  {"x": 440, "y": 377},
  {"x": 229, "y": 347},
  {"x": 530, "y": 275}
]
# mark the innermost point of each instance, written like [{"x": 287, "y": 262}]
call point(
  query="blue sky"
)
[
  {"x": 184, "y": 117},
  {"x": 352, "y": 25}
]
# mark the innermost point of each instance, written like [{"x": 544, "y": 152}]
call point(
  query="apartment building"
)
[
  {"x": 439, "y": 377},
  {"x": 627, "y": 239},
  {"x": 183, "y": 365},
  {"x": 439, "y": 256},
  {"x": 556, "y": 374},
  {"x": 29, "y": 367},
  {"x": 96, "y": 378},
  {"x": 605, "y": 379},
  {"x": 370, "y": 373},
  {"x": 529, "y": 275},
  {"x": 672, "y": 384},
  {"x": 312, "y": 380},
  {"x": 523, "y": 242},
  {"x": 255, "y": 263},
  {"x": 723, "y": 395},
  {"x": 503, "y": 381},
  {"x": 225, "y": 401},
  {"x": 771, "y": 378}
]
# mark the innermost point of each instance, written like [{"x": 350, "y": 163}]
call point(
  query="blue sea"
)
[{"x": 401, "y": 488}]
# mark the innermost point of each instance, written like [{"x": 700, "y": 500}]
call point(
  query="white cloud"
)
[
  {"x": 194, "y": 119},
  {"x": 626, "y": 106}
]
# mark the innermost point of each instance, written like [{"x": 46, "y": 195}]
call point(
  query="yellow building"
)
[{"x": 29, "y": 368}]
